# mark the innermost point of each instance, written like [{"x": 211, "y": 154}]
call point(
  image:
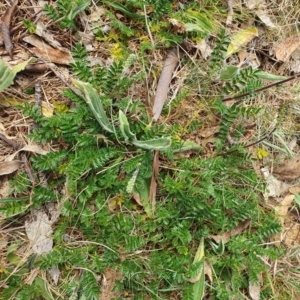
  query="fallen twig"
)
[
  {"x": 5, "y": 27},
  {"x": 261, "y": 89}
]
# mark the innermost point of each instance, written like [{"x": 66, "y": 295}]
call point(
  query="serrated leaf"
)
[
  {"x": 240, "y": 39},
  {"x": 155, "y": 144},
  {"x": 94, "y": 101},
  {"x": 124, "y": 126}
]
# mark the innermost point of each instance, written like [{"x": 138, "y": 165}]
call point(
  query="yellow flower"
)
[{"x": 261, "y": 153}]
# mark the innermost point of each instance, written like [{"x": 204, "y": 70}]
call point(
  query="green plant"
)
[
  {"x": 31, "y": 27},
  {"x": 65, "y": 12},
  {"x": 108, "y": 142}
]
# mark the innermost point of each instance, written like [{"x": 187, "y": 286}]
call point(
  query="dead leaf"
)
[
  {"x": 47, "y": 110},
  {"x": 254, "y": 290},
  {"x": 31, "y": 148},
  {"x": 240, "y": 39},
  {"x": 274, "y": 186},
  {"x": 265, "y": 18},
  {"x": 284, "y": 50},
  {"x": 4, "y": 189},
  {"x": 204, "y": 48},
  {"x": 54, "y": 55},
  {"x": 252, "y": 3},
  {"x": 230, "y": 13},
  {"x": 9, "y": 167},
  {"x": 242, "y": 56},
  {"x": 208, "y": 271},
  {"x": 294, "y": 190},
  {"x": 31, "y": 276},
  {"x": 10, "y": 141},
  {"x": 41, "y": 30},
  {"x": 178, "y": 26},
  {"x": 54, "y": 273},
  {"x": 115, "y": 203},
  {"x": 283, "y": 207},
  {"x": 137, "y": 198},
  {"x": 291, "y": 234},
  {"x": 209, "y": 131},
  {"x": 39, "y": 232},
  {"x": 288, "y": 170},
  {"x": 58, "y": 56},
  {"x": 225, "y": 237},
  {"x": 109, "y": 278},
  {"x": 95, "y": 15},
  {"x": 164, "y": 82}
]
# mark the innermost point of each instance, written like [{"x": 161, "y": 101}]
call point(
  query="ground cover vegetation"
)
[{"x": 147, "y": 209}]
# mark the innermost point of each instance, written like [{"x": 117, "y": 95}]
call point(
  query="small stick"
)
[
  {"x": 249, "y": 145},
  {"x": 261, "y": 89}
]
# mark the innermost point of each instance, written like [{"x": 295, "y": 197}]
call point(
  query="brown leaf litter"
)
[{"x": 288, "y": 170}]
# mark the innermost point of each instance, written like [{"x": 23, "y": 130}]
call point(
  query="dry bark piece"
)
[
  {"x": 164, "y": 82},
  {"x": 5, "y": 27},
  {"x": 288, "y": 170},
  {"x": 285, "y": 49}
]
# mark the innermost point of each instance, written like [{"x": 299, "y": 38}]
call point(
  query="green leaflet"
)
[{"x": 94, "y": 101}]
